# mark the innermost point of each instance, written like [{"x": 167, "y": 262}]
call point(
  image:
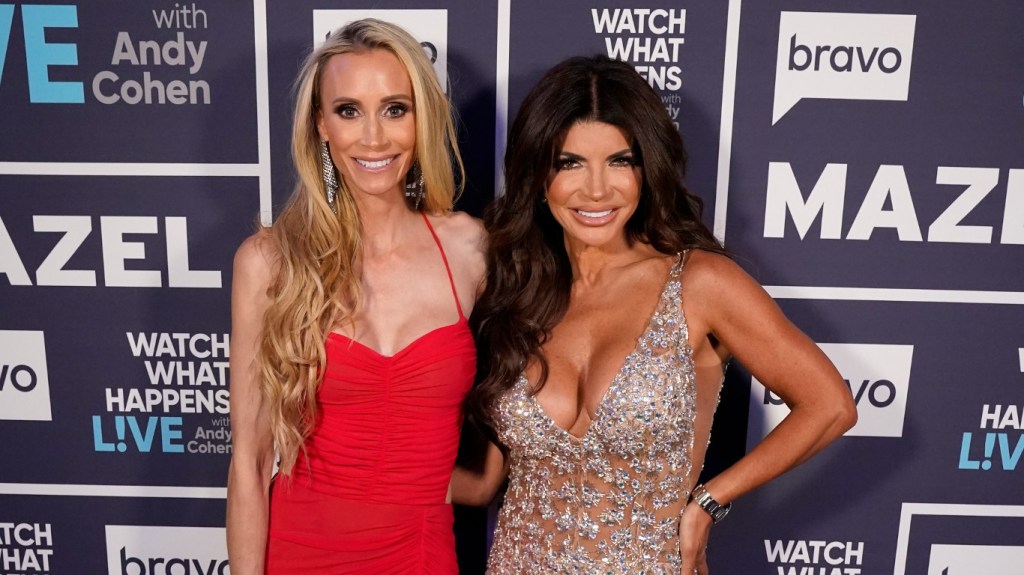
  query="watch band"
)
[{"x": 706, "y": 502}]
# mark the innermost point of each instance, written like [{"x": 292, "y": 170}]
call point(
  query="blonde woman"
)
[{"x": 350, "y": 350}]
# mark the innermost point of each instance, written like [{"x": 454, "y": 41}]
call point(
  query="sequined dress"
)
[{"x": 609, "y": 502}]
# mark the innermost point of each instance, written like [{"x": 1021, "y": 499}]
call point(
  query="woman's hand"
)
[
  {"x": 478, "y": 486},
  {"x": 694, "y": 529}
]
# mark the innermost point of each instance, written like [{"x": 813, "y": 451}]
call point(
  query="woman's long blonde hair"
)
[{"x": 317, "y": 282}]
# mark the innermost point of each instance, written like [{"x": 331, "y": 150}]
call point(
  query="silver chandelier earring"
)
[
  {"x": 329, "y": 174},
  {"x": 414, "y": 185}
]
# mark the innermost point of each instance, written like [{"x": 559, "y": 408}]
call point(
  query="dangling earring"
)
[
  {"x": 414, "y": 185},
  {"x": 329, "y": 175}
]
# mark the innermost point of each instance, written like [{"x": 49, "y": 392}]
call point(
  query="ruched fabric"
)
[{"x": 368, "y": 493}]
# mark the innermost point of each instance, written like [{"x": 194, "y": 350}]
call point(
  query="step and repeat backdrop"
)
[{"x": 863, "y": 160}]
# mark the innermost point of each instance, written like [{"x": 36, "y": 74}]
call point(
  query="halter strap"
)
[{"x": 447, "y": 268}]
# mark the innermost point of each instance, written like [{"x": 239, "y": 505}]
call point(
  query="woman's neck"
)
[
  {"x": 591, "y": 264},
  {"x": 386, "y": 223}
]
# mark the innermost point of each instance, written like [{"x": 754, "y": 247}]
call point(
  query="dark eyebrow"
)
[{"x": 577, "y": 157}]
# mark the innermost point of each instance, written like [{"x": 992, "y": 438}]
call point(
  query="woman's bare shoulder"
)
[
  {"x": 256, "y": 258},
  {"x": 461, "y": 230},
  {"x": 711, "y": 279},
  {"x": 705, "y": 265},
  {"x": 461, "y": 223}
]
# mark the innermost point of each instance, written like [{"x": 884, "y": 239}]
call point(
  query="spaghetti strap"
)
[{"x": 447, "y": 268}]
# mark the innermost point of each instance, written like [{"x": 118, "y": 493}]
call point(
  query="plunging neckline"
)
[{"x": 613, "y": 384}]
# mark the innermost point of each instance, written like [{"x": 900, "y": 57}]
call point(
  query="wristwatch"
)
[{"x": 702, "y": 498}]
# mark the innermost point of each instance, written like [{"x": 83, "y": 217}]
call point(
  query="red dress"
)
[{"x": 368, "y": 495}]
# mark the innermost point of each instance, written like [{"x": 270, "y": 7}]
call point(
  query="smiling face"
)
[
  {"x": 595, "y": 186},
  {"x": 368, "y": 119}
]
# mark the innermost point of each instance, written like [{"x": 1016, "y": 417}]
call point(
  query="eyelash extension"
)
[
  {"x": 563, "y": 163},
  {"x": 342, "y": 108},
  {"x": 400, "y": 107}
]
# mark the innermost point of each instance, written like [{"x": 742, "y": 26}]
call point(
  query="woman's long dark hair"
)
[{"x": 529, "y": 277}]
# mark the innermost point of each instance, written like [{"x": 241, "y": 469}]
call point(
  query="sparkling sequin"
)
[{"x": 609, "y": 502}]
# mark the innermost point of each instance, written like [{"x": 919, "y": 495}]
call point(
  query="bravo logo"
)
[
  {"x": 878, "y": 377},
  {"x": 975, "y": 559},
  {"x": 143, "y": 550},
  {"x": 842, "y": 56},
  {"x": 430, "y": 27},
  {"x": 24, "y": 385}
]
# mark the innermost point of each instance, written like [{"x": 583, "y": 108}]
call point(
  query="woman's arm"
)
[
  {"x": 479, "y": 486},
  {"x": 731, "y": 307},
  {"x": 252, "y": 455},
  {"x": 468, "y": 242}
]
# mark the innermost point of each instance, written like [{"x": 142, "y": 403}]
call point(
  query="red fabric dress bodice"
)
[
  {"x": 367, "y": 493},
  {"x": 388, "y": 427}
]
